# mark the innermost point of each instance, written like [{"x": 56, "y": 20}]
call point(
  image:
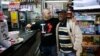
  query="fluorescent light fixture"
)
[
  {"x": 5, "y": 2},
  {"x": 54, "y": 1},
  {"x": 87, "y": 7},
  {"x": 85, "y": 1}
]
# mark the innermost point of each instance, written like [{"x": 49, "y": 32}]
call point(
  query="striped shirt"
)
[{"x": 65, "y": 42}]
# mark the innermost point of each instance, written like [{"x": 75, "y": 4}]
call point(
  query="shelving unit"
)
[
  {"x": 91, "y": 40},
  {"x": 91, "y": 35}
]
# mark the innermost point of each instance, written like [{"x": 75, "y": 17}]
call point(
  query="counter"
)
[{"x": 29, "y": 47}]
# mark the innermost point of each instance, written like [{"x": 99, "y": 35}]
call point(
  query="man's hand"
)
[{"x": 28, "y": 26}]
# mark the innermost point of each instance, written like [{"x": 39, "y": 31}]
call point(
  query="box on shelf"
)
[{"x": 87, "y": 27}]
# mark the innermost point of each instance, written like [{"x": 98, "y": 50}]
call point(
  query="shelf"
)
[
  {"x": 88, "y": 10},
  {"x": 86, "y": 20},
  {"x": 25, "y": 3},
  {"x": 97, "y": 23},
  {"x": 90, "y": 35},
  {"x": 90, "y": 45}
]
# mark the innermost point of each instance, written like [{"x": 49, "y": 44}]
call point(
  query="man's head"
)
[
  {"x": 62, "y": 15},
  {"x": 69, "y": 14},
  {"x": 46, "y": 14}
]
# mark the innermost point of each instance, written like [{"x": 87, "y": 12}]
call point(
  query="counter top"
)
[
  {"x": 21, "y": 48},
  {"x": 26, "y": 36}
]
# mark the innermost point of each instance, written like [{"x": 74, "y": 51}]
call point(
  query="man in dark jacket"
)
[{"x": 47, "y": 27}]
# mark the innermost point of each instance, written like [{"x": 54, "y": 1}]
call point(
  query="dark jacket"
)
[{"x": 47, "y": 29}]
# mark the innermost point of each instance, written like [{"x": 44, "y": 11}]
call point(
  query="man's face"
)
[
  {"x": 62, "y": 16},
  {"x": 69, "y": 14},
  {"x": 47, "y": 14}
]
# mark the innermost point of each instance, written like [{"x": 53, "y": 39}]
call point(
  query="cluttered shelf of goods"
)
[
  {"x": 91, "y": 35},
  {"x": 90, "y": 27}
]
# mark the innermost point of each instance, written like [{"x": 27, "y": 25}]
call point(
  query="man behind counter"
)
[{"x": 48, "y": 39}]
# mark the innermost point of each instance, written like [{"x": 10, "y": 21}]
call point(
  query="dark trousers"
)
[
  {"x": 70, "y": 54},
  {"x": 48, "y": 50},
  {"x": 73, "y": 53}
]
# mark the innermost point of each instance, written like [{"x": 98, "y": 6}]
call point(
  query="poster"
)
[
  {"x": 13, "y": 6},
  {"x": 14, "y": 17}
]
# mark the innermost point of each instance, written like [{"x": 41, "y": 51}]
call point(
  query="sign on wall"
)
[
  {"x": 13, "y": 6},
  {"x": 14, "y": 16},
  {"x": 14, "y": 19},
  {"x": 86, "y": 4}
]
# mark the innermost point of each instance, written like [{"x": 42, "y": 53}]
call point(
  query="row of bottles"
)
[
  {"x": 27, "y": 7},
  {"x": 25, "y": 0}
]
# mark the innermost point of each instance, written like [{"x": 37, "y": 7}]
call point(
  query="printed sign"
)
[
  {"x": 13, "y": 6},
  {"x": 14, "y": 16}
]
